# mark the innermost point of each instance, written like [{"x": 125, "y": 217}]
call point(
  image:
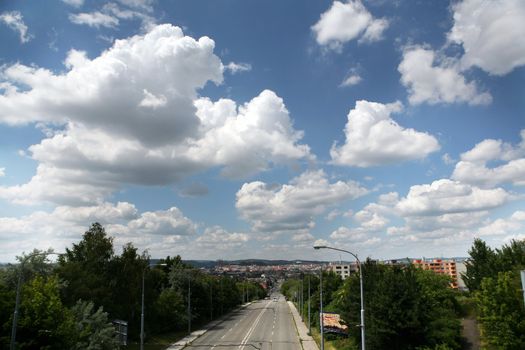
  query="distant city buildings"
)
[
  {"x": 449, "y": 267},
  {"x": 343, "y": 270}
]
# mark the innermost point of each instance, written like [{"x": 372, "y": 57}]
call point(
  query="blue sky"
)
[{"x": 239, "y": 129}]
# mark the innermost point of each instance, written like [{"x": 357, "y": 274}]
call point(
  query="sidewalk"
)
[
  {"x": 181, "y": 344},
  {"x": 307, "y": 342}
]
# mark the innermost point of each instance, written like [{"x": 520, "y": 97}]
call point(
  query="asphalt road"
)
[{"x": 265, "y": 325}]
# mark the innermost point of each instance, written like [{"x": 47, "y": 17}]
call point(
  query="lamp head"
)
[{"x": 317, "y": 247}]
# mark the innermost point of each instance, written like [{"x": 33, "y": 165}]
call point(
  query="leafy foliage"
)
[
  {"x": 482, "y": 263},
  {"x": 62, "y": 305},
  {"x": 86, "y": 268},
  {"x": 501, "y": 311},
  {"x": 44, "y": 322},
  {"x": 405, "y": 308},
  {"x": 93, "y": 331}
]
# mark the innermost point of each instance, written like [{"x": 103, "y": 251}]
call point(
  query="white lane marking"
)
[{"x": 252, "y": 328}]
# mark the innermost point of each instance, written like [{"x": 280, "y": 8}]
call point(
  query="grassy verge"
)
[
  {"x": 158, "y": 342},
  {"x": 338, "y": 343}
]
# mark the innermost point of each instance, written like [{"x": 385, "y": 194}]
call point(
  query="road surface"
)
[{"x": 265, "y": 325}]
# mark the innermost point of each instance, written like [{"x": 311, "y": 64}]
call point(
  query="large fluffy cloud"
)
[
  {"x": 217, "y": 238},
  {"x": 505, "y": 226},
  {"x": 133, "y": 116},
  {"x": 293, "y": 207},
  {"x": 374, "y": 138},
  {"x": 347, "y": 21},
  {"x": 65, "y": 225},
  {"x": 437, "y": 82},
  {"x": 491, "y": 33},
  {"x": 446, "y": 196},
  {"x": 114, "y": 90},
  {"x": 473, "y": 167},
  {"x": 246, "y": 140}
]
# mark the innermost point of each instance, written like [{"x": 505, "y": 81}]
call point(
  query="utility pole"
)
[
  {"x": 523, "y": 283},
  {"x": 309, "y": 323},
  {"x": 302, "y": 296},
  {"x": 321, "y": 308},
  {"x": 211, "y": 300},
  {"x": 189, "y": 304}
]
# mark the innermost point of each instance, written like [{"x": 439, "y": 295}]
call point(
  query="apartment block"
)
[
  {"x": 447, "y": 267},
  {"x": 343, "y": 270}
]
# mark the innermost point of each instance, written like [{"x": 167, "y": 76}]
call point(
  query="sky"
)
[{"x": 255, "y": 129}]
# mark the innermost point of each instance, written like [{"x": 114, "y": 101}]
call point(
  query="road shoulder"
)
[{"x": 307, "y": 342}]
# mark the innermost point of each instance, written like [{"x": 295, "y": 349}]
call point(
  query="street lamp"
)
[
  {"x": 142, "y": 308},
  {"x": 321, "y": 307},
  {"x": 362, "y": 325},
  {"x": 309, "y": 323},
  {"x": 17, "y": 301},
  {"x": 189, "y": 304}
]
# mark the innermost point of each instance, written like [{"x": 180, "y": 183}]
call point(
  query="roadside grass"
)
[
  {"x": 158, "y": 341},
  {"x": 334, "y": 343}
]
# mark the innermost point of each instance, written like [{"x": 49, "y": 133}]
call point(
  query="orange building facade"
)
[{"x": 441, "y": 266}]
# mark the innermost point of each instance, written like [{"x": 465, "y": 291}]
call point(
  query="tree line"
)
[
  {"x": 405, "y": 307},
  {"x": 70, "y": 304},
  {"x": 493, "y": 278},
  {"x": 410, "y": 308}
]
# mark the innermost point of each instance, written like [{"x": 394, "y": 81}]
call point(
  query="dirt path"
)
[{"x": 470, "y": 333}]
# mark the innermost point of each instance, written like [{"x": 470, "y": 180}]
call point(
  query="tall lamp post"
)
[
  {"x": 321, "y": 307},
  {"x": 309, "y": 323},
  {"x": 142, "y": 307},
  {"x": 17, "y": 301},
  {"x": 362, "y": 325},
  {"x": 189, "y": 304}
]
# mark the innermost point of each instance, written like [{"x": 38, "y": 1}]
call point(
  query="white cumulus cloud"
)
[
  {"x": 491, "y": 33},
  {"x": 505, "y": 226},
  {"x": 446, "y": 197},
  {"x": 59, "y": 228},
  {"x": 133, "y": 116},
  {"x": 374, "y": 138},
  {"x": 432, "y": 81},
  {"x": 218, "y": 238},
  {"x": 293, "y": 207},
  {"x": 348, "y": 21},
  {"x": 474, "y": 166}
]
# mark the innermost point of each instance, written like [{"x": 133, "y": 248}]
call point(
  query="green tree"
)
[
  {"x": 125, "y": 283},
  {"x": 405, "y": 308},
  {"x": 501, "y": 311},
  {"x": 93, "y": 331},
  {"x": 512, "y": 256},
  {"x": 86, "y": 268},
  {"x": 482, "y": 263},
  {"x": 7, "y": 305},
  {"x": 170, "y": 310},
  {"x": 44, "y": 322}
]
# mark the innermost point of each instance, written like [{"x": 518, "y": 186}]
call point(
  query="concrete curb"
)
[
  {"x": 181, "y": 344},
  {"x": 307, "y": 342}
]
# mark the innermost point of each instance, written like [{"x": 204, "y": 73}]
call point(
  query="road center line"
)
[{"x": 252, "y": 328}]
